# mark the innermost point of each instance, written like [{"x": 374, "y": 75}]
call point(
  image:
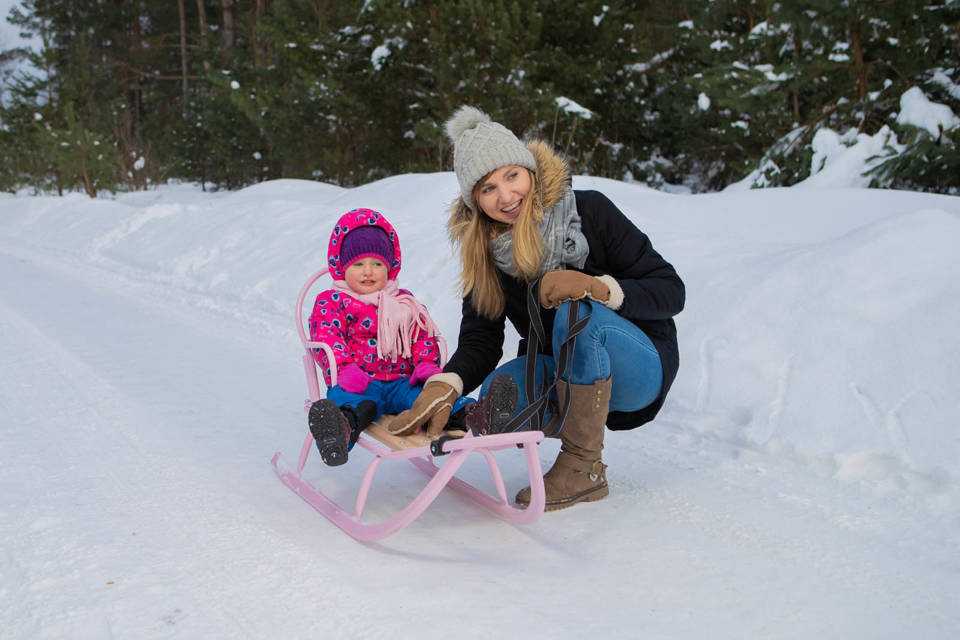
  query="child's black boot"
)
[
  {"x": 331, "y": 430},
  {"x": 336, "y": 429},
  {"x": 359, "y": 418}
]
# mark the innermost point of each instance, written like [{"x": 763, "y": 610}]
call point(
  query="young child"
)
[{"x": 383, "y": 340}]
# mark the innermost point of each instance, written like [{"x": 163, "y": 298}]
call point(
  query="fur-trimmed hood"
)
[{"x": 553, "y": 181}]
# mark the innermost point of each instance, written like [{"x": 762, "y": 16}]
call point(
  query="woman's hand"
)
[
  {"x": 353, "y": 379},
  {"x": 431, "y": 408},
  {"x": 559, "y": 286}
]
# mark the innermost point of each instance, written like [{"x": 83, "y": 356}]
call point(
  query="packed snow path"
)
[{"x": 137, "y": 421}]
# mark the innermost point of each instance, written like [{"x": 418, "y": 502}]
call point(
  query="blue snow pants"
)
[{"x": 390, "y": 397}]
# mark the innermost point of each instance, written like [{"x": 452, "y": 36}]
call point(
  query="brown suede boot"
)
[{"x": 578, "y": 475}]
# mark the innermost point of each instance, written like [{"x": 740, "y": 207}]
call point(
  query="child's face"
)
[{"x": 367, "y": 275}]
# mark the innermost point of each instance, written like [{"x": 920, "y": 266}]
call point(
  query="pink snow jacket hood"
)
[
  {"x": 350, "y": 221},
  {"x": 349, "y": 322}
]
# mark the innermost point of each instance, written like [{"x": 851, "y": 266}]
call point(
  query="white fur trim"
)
[
  {"x": 616, "y": 292},
  {"x": 449, "y": 378}
]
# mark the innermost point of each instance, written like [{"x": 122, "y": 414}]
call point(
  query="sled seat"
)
[{"x": 378, "y": 431}]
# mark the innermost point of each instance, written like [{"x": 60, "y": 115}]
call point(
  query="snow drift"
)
[{"x": 821, "y": 321}]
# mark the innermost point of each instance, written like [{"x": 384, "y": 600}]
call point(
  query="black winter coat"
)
[{"x": 653, "y": 294}]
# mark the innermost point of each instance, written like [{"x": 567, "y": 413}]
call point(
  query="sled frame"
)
[{"x": 455, "y": 452}]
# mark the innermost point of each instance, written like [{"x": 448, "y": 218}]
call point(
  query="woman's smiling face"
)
[{"x": 500, "y": 193}]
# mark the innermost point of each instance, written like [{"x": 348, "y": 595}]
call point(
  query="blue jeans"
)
[
  {"x": 390, "y": 397},
  {"x": 608, "y": 346}
]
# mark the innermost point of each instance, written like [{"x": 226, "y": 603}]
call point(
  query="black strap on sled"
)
[{"x": 532, "y": 416}]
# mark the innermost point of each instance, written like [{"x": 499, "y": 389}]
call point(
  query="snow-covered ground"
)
[{"x": 802, "y": 480}]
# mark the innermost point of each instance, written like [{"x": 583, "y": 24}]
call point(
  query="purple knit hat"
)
[{"x": 365, "y": 242}]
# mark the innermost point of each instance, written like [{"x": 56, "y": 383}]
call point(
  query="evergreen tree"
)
[
  {"x": 693, "y": 92},
  {"x": 853, "y": 61}
]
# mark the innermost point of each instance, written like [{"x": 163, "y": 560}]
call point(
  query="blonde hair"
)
[{"x": 474, "y": 230}]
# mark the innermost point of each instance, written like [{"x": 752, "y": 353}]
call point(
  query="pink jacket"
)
[{"x": 349, "y": 325}]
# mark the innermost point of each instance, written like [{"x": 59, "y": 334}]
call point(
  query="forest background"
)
[{"x": 684, "y": 95}]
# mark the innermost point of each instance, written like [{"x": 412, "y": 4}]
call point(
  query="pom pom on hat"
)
[
  {"x": 480, "y": 146},
  {"x": 464, "y": 118}
]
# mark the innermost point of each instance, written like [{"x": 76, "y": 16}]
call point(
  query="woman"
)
[{"x": 518, "y": 220}]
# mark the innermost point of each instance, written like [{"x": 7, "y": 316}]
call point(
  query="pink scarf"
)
[{"x": 400, "y": 318}]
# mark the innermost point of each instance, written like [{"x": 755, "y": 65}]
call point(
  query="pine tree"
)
[
  {"x": 854, "y": 60},
  {"x": 101, "y": 72},
  {"x": 697, "y": 92},
  {"x": 929, "y": 159}
]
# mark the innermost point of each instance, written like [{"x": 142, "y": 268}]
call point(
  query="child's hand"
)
[
  {"x": 353, "y": 379},
  {"x": 422, "y": 371}
]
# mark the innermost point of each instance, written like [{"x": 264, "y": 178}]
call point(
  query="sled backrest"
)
[
  {"x": 310, "y": 365},
  {"x": 301, "y": 330}
]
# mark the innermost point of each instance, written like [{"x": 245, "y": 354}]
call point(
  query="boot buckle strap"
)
[{"x": 595, "y": 470}]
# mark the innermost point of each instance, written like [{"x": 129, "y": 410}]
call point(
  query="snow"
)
[
  {"x": 767, "y": 71},
  {"x": 917, "y": 110},
  {"x": 380, "y": 54},
  {"x": 703, "y": 102},
  {"x": 800, "y": 482},
  {"x": 643, "y": 67},
  {"x": 942, "y": 79},
  {"x": 842, "y": 160},
  {"x": 569, "y": 106},
  {"x": 597, "y": 19}
]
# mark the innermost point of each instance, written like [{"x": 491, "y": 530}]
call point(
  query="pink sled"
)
[{"x": 455, "y": 451}]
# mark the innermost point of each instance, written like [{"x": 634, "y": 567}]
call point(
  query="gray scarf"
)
[{"x": 563, "y": 241}]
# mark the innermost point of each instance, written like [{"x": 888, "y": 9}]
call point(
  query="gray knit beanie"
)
[{"x": 481, "y": 145}]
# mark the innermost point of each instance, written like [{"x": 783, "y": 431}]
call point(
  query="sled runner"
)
[{"x": 419, "y": 450}]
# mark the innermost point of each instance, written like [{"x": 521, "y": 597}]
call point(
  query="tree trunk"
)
[
  {"x": 129, "y": 80},
  {"x": 798, "y": 54},
  {"x": 229, "y": 31},
  {"x": 859, "y": 66},
  {"x": 202, "y": 18},
  {"x": 183, "y": 53},
  {"x": 258, "y": 46},
  {"x": 88, "y": 184}
]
